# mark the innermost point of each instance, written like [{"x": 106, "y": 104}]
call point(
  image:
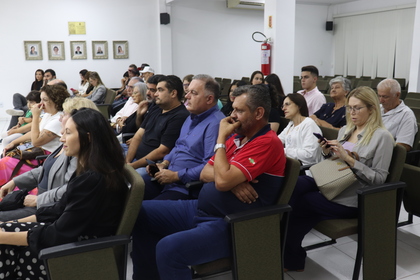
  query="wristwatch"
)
[{"x": 219, "y": 146}]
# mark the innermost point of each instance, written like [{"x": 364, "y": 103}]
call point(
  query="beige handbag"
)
[{"x": 332, "y": 176}]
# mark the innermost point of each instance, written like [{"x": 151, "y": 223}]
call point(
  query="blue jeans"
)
[{"x": 171, "y": 235}]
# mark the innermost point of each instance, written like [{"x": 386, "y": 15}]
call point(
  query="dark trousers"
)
[
  {"x": 309, "y": 208},
  {"x": 153, "y": 190},
  {"x": 19, "y": 103},
  {"x": 171, "y": 235}
]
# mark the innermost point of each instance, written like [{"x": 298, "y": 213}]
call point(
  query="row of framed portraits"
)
[{"x": 56, "y": 51}]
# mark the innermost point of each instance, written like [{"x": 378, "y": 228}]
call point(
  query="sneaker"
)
[{"x": 15, "y": 112}]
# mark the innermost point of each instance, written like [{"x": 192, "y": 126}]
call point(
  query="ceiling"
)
[{"x": 324, "y": 2}]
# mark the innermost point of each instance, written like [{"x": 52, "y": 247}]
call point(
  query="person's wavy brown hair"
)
[{"x": 57, "y": 94}]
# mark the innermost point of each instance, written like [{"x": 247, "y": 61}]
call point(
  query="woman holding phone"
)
[
  {"x": 91, "y": 207},
  {"x": 365, "y": 135}
]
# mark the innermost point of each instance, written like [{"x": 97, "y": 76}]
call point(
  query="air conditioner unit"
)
[{"x": 244, "y": 4}]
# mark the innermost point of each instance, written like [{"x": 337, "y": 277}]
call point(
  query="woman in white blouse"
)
[
  {"x": 84, "y": 83},
  {"x": 298, "y": 138}
]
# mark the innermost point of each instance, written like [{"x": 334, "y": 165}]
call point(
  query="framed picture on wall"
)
[
  {"x": 120, "y": 49},
  {"x": 78, "y": 49},
  {"x": 100, "y": 49},
  {"x": 33, "y": 50},
  {"x": 56, "y": 50}
]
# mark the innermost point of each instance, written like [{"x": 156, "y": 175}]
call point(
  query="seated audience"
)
[
  {"x": 297, "y": 137},
  {"x": 227, "y": 109},
  {"x": 257, "y": 77},
  {"x": 170, "y": 236},
  {"x": 44, "y": 133},
  {"x": 146, "y": 73},
  {"x": 21, "y": 128},
  {"x": 39, "y": 80},
  {"x": 186, "y": 82},
  {"x": 365, "y": 135},
  {"x": 194, "y": 146},
  {"x": 84, "y": 83},
  {"x": 398, "y": 118},
  {"x": 98, "y": 94},
  {"x": 133, "y": 122},
  {"x": 274, "y": 80},
  {"x": 138, "y": 94},
  {"x": 124, "y": 82},
  {"x": 91, "y": 208},
  {"x": 314, "y": 98},
  {"x": 120, "y": 102},
  {"x": 161, "y": 127},
  {"x": 49, "y": 76},
  {"x": 47, "y": 182},
  {"x": 333, "y": 115},
  {"x": 274, "y": 118}
]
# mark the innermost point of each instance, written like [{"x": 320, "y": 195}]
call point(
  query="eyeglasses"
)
[
  {"x": 354, "y": 109},
  {"x": 286, "y": 105}
]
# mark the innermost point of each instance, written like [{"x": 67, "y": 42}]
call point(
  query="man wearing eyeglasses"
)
[{"x": 397, "y": 117}]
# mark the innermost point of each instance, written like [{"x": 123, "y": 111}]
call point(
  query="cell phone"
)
[
  {"x": 322, "y": 138},
  {"x": 152, "y": 167}
]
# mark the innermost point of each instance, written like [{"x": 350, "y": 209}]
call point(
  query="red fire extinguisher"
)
[{"x": 266, "y": 58}]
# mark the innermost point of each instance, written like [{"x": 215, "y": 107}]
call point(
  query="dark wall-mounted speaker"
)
[
  {"x": 329, "y": 26},
  {"x": 164, "y": 18}
]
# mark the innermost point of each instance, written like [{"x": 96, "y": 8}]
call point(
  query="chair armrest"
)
[
  {"x": 41, "y": 157},
  {"x": 413, "y": 157},
  {"x": 380, "y": 188},
  {"x": 257, "y": 213},
  {"x": 194, "y": 185},
  {"x": 306, "y": 167},
  {"x": 83, "y": 246}
]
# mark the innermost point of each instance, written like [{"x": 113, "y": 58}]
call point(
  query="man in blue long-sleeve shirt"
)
[{"x": 194, "y": 146}]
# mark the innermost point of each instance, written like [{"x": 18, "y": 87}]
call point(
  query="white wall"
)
[
  {"x": 206, "y": 37},
  {"x": 108, "y": 20},
  {"x": 216, "y": 42},
  {"x": 313, "y": 44}
]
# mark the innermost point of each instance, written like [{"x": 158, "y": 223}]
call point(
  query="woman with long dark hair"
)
[
  {"x": 91, "y": 207},
  {"x": 39, "y": 80}
]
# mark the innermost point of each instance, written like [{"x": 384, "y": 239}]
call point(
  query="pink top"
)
[{"x": 314, "y": 99}]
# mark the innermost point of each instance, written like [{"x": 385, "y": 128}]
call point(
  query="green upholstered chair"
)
[
  {"x": 376, "y": 224},
  {"x": 101, "y": 258},
  {"x": 109, "y": 98},
  {"x": 257, "y": 238},
  {"x": 411, "y": 197}
]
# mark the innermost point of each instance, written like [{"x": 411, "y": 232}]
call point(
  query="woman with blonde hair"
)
[
  {"x": 364, "y": 135},
  {"x": 98, "y": 93}
]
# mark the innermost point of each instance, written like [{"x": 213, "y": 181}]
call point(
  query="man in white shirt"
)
[
  {"x": 314, "y": 98},
  {"x": 397, "y": 117}
]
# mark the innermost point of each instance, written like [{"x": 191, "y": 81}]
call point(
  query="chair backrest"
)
[
  {"x": 130, "y": 213},
  {"x": 291, "y": 174},
  {"x": 416, "y": 139},
  {"x": 329, "y": 133},
  {"x": 133, "y": 202},
  {"x": 110, "y": 96},
  {"x": 397, "y": 164}
]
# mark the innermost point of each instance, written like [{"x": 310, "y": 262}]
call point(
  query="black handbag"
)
[{"x": 13, "y": 200}]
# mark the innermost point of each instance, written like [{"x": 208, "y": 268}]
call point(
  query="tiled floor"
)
[{"x": 336, "y": 261}]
